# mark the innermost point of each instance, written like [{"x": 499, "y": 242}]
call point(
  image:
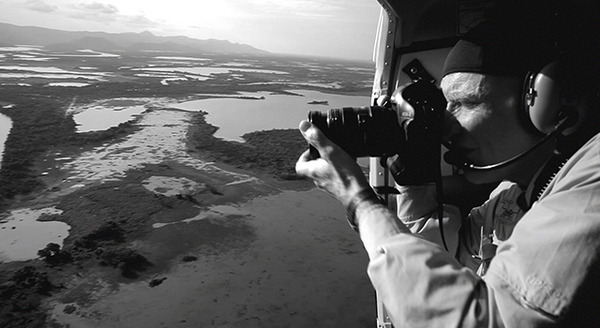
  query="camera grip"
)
[{"x": 421, "y": 105}]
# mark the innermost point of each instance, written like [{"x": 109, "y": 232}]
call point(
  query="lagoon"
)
[
  {"x": 100, "y": 119},
  {"x": 105, "y": 114},
  {"x": 265, "y": 111},
  {"x": 22, "y": 235}
]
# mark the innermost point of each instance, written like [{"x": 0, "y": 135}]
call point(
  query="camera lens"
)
[{"x": 361, "y": 131}]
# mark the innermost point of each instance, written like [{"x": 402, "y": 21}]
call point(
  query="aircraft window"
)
[{"x": 148, "y": 163}]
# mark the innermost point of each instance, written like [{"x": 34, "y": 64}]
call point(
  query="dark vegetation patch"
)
[
  {"x": 21, "y": 292},
  {"x": 38, "y": 124},
  {"x": 54, "y": 256},
  {"x": 130, "y": 262},
  {"x": 156, "y": 281},
  {"x": 107, "y": 234},
  {"x": 105, "y": 218},
  {"x": 189, "y": 258},
  {"x": 274, "y": 151},
  {"x": 113, "y": 211},
  {"x": 105, "y": 245}
]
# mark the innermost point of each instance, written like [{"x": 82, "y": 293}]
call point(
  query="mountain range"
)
[{"x": 59, "y": 40}]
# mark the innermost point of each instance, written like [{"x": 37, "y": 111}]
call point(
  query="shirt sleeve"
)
[
  {"x": 419, "y": 282},
  {"x": 422, "y": 285},
  {"x": 417, "y": 209},
  {"x": 543, "y": 275}
]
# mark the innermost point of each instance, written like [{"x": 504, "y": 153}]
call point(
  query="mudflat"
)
[{"x": 172, "y": 227}]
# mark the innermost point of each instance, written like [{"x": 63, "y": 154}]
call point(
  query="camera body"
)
[{"x": 413, "y": 119}]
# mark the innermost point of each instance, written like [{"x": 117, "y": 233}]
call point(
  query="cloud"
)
[
  {"x": 313, "y": 10},
  {"x": 106, "y": 12},
  {"x": 93, "y": 8},
  {"x": 293, "y": 5},
  {"x": 306, "y": 8},
  {"x": 40, "y": 5},
  {"x": 140, "y": 21}
]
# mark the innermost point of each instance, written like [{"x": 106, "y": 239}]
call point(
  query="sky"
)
[{"x": 330, "y": 28}]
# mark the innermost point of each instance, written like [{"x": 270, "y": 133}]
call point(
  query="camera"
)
[{"x": 416, "y": 114}]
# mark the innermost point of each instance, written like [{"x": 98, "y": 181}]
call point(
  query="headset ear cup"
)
[
  {"x": 528, "y": 99},
  {"x": 547, "y": 98}
]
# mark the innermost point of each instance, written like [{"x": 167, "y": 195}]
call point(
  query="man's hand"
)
[{"x": 335, "y": 171}]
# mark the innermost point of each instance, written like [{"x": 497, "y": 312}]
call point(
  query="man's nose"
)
[{"x": 451, "y": 127}]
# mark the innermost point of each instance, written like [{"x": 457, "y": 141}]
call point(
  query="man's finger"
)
[
  {"x": 305, "y": 157},
  {"x": 305, "y": 166},
  {"x": 314, "y": 136}
]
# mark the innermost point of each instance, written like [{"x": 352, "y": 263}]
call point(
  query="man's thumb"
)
[{"x": 311, "y": 134}]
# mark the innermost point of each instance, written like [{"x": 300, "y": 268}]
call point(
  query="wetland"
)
[{"x": 158, "y": 190}]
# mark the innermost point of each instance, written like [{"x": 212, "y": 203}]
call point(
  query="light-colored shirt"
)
[{"x": 539, "y": 268}]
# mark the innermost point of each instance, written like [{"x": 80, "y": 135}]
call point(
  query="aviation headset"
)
[
  {"x": 562, "y": 89},
  {"x": 547, "y": 42},
  {"x": 552, "y": 96},
  {"x": 556, "y": 90}
]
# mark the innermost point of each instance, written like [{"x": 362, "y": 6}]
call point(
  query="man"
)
[{"x": 535, "y": 243}]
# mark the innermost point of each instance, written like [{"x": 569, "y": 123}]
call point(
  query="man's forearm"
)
[
  {"x": 420, "y": 284},
  {"x": 417, "y": 213},
  {"x": 376, "y": 222}
]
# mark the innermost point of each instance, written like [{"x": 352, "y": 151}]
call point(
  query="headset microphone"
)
[{"x": 454, "y": 158}]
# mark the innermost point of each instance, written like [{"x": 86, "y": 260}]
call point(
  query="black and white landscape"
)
[{"x": 149, "y": 181}]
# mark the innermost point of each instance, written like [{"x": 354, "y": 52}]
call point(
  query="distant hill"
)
[
  {"x": 88, "y": 42},
  {"x": 59, "y": 40}
]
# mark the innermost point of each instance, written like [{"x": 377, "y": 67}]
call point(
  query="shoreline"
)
[{"x": 112, "y": 242}]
